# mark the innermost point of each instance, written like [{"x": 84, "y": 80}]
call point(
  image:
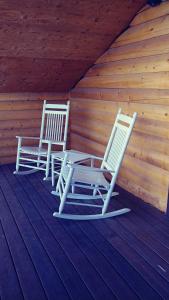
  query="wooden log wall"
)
[
  {"x": 20, "y": 114},
  {"x": 132, "y": 74}
]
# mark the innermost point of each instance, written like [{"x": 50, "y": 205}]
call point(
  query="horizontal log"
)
[
  {"x": 152, "y": 156},
  {"x": 151, "y": 197},
  {"x": 154, "y": 181},
  {"x": 85, "y": 93},
  {"x": 123, "y": 97},
  {"x": 151, "y": 13},
  {"x": 12, "y": 124},
  {"x": 90, "y": 134},
  {"x": 154, "y": 46},
  {"x": 97, "y": 116},
  {"x": 155, "y": 63},
  {"x": 145, "y": 141},
  {"x": 145, "y": 182},
  {"x": 153, "y": 127},
  {"x": 90, "y": 104},
  {"x": 83, "y": 144},
  {"x": 149, "y": 96},
  {"x": 32, "y": 96},
  {"x": 20, "y": 105},
  {"x": 148, "y": 172},
  {"x": 92, "y": 125},
  {"x": 144, "y": 31},
  {"x": 8, "y": 160},
  {"x": 145, "y": 111},
  {"x": 13, "y": 142},
  {"x": 8, "y": 151},
  {"x": 11, "y": 133},
  {"x": 144, "y": 80},
  {"x": 149, "y": 111},
  {"x": 17, "y": 115}
]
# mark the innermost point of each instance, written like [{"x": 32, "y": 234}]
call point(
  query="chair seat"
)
[
  {"x": 88, "y": 177},
  {"x": 34, "y": 150}
]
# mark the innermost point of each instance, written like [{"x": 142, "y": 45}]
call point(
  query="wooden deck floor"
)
[{"x": 45, "y": 258}]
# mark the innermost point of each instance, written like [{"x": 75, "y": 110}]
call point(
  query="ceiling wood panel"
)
[{"x": 49, "y": 45}]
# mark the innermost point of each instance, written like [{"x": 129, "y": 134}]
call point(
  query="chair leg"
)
[
  {"x": 106, "y": 202},
  {"x": 38, "y": 163},
  {"x": 58, "y": 183},
  {"x": 53, "y": 175},
  {"x": 66, "y": 190},
  {"x": 17, "y": 161},
  {"x": 18, "y": 155},
  {"x": 73, "y": 189},
  {"x": 48, "y": 161},
  {"x": 95, "y": 190},
  {"x": 62, "y": 202}
]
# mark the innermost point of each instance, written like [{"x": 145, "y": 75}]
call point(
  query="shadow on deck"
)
[{"x": 42, "y": 257}]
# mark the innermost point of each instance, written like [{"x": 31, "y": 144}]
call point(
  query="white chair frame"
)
[
  {"x": 74, "y": 156},
  {"x": 91, "y": 178},
  {"x": 54, "y": 128}
]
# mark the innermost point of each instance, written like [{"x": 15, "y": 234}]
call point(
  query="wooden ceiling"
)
[{"x": 48, "y": 45}]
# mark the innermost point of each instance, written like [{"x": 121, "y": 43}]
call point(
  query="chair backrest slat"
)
[
  {"x": 118, "y": 142},
  {"x": 54, "y": 122}
]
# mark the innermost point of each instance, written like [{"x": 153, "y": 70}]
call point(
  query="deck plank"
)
[
  {"x": 72, "y": 281},
  {"x": 111, "y": 277},
  {"x": 9, "y": 284},
  {"x": 45, "y": 271},
  {"x": 117, "y": 258},
  {"x": 131, "y": 276},
  {"x": 150, "y": 224},
  {"x": 31, "y": 286},
  {"x": 91, "y": 277},
  {"x": 127, "y": 250},
  {"x": 127, "y": 231}
]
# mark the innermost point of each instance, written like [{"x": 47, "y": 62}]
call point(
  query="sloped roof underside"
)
[{"x": 48, "y": 45}]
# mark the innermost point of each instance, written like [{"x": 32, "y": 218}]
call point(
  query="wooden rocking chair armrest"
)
[
  {"x": 28, "y": 137},
  {"x": 90, "y": 169},
  {"x": 47, "y": 141},
  {"x": 96, "y": 157}
]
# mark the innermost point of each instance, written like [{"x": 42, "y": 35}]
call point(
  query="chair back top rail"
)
[
  {"x": 54, "y": 124},
  {"x": 56, "y": 106}
]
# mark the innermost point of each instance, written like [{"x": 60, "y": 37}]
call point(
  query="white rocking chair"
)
[
  {"x": 54, "y": 127},
  {"x": 73, "y": 176}
]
